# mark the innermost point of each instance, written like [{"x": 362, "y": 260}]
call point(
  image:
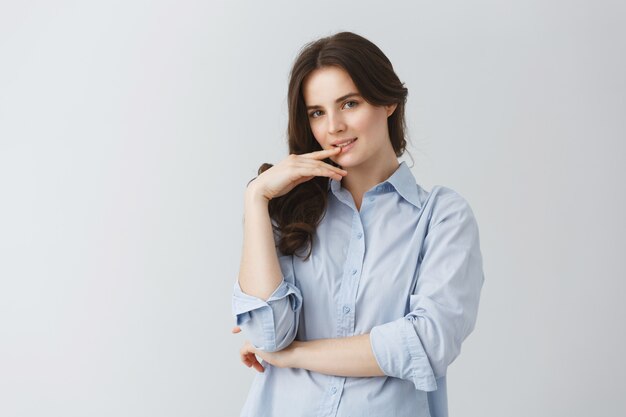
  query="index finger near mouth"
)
[{"x": 319, "y": 154}]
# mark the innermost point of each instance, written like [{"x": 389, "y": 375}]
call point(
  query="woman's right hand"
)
[{"x": 293, "y": 170}]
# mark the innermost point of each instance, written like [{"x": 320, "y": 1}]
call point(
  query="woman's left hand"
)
[{"x": 279, "y": 359}]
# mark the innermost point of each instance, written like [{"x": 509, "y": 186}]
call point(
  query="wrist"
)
[
  {"x": 254, "y": 195},
  {"x": 293, "y": 354}
]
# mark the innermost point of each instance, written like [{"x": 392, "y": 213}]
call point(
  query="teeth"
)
[{"x": 341, "y": 145}]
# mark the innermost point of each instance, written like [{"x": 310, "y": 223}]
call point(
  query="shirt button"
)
[
  {"x": 346, "y": 309},
  {"x": 353, "y": 271},
  {"x": 359, "y": 235},
  {"x": 333, "y": 390},
  {"x": 371, "y": 198}
]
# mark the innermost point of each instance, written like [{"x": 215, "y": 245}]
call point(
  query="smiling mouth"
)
[{"x": 341, "y": 145}]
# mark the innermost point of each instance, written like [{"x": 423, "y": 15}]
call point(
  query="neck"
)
[{"x": 362, "y": 178}]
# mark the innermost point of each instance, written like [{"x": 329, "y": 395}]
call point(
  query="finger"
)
[
  {"x": 250, "y": 360},
  {"x": 259, "y": 367},
  {"x": 319, "y": 171},
  {"x": 315, "y": 162},
  {"x": 324, "y": 153},
  {"x": 236, "y": 329},
  {"x": 247, "y": 357},
  {"x": 245, "y": 350}
]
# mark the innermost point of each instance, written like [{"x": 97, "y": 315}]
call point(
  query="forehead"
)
[{"x": 324, "y": 85}]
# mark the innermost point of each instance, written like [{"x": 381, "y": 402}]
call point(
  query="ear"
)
[{"x": 391, "y": 108}]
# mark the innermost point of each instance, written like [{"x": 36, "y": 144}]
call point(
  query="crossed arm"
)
[
  {"x": 351, "y": 356},
  {"x": 417, "y": 347},
  {"x": 348, "y": 356}
]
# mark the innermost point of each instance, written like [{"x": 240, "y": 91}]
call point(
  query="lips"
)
[{"x": 341, "y": 144}]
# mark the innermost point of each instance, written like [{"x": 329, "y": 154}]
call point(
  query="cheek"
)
[
  {"x": 318, "y": 131},
  {"x": 369, "y": 122},
  {"x": 378, "y": 123}
]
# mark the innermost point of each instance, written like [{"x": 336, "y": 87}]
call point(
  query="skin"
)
[
  {"x": 259, "y": 272},
  {"x": 371, "y": 160}
]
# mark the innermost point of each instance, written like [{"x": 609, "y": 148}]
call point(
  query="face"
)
[{"x": 337, "y": 113}]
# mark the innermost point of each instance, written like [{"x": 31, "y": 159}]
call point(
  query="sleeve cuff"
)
[
  {"x": 268, "y": 321},
  {"x": 399, "y": 353},
  {"x": 244, "y": 303}
]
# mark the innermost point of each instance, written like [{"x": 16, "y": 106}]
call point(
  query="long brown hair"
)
[{"x": 296, "y": 214}]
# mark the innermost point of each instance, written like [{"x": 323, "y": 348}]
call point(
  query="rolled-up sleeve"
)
[
  {"x": 272, "y": 324},
  {"x": 443, "y": 308}
]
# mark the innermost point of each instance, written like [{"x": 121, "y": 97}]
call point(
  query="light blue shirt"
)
[{"x": 406, "y": 268}]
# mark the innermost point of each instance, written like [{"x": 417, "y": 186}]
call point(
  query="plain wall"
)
[{"x": 128, "y": 132}]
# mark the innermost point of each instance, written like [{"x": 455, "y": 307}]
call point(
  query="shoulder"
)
[{"x": 446, "y": 204}]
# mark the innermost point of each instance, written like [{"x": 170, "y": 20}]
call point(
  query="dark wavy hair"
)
[{"x": 296, "y": 215}]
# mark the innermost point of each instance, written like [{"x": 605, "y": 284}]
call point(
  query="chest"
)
[{"x": 363, "y": 263}]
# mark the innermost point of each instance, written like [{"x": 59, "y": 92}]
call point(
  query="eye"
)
[
  {"x": 353, "y": 102},
  {"x": 312, "y": 114}
]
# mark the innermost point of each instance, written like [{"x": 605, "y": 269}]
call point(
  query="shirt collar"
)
[{"x": 402, "y": 181}]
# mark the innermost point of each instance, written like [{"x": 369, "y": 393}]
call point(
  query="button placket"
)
[{"x": 347, "y": 297}]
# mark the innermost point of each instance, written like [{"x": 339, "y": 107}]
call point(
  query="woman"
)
[{"x": 357, "y": 286}]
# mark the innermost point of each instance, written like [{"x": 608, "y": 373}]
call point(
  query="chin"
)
[{"x": 348, "y": 163}]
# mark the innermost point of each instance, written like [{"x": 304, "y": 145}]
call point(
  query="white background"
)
[{"x": 128, "y": 131}]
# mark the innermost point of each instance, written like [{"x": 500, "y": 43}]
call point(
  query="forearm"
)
[
  {"x": 348, "y": 356},
  {"x": 259, "y": 271}
]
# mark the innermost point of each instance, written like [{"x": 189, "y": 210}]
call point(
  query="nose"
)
[{"x": 336, "y": 123}]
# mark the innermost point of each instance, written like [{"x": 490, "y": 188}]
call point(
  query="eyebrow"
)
[{"x": 336, "y": 101}]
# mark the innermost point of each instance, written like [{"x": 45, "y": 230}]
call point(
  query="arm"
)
[
  {"x": 259, "y": 272},
  {"x": 444, "y": 305},
  {"x": 350, "y": 356},
  {"x": 347, "y": 356},
  {"x": 419, "y": 346},
  {"x": 266, "y": 301}
]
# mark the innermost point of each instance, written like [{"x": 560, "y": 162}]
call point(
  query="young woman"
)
[{"x": 356, "y": 286}]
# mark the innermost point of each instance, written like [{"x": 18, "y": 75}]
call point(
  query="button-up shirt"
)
[{"x": 407, "y": 268}]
